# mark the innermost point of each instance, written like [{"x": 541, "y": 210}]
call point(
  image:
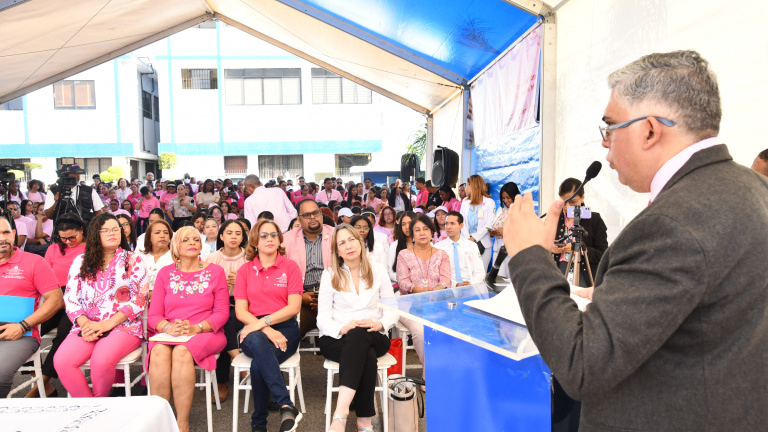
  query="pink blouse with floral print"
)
[
  {"x": 122, "y": 287},
  {"x": 411, "y": 270}
]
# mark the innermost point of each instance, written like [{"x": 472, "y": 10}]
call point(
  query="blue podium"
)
[{"x": 483, "y": 372}]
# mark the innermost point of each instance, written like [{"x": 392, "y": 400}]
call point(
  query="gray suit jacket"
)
[{"x": 677, "y": 335}]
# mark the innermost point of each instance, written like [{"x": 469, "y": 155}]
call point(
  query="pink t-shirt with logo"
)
[
  {"x": 147, "y": 205},
  {"x": 28, "y": 275},
  {"x": 267, "y": 290}
]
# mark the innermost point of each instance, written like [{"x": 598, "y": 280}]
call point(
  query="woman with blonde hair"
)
[
  {"x": 190, "y": 299},
  {"x": 353, "y": 328},
  {"x": 479, "y": 212},
  {"x": 268, "y": 291}
]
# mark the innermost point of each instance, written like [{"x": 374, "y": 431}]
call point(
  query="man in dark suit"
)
[{"x": 676, "y": 337}]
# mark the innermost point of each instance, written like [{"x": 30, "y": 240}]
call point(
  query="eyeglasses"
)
[
  {"x": 125, "y": 224},
  {"x": 315, "y": 213},
  {"x": 605, "y": 130},
  {"x": 362, "y": 227},
  {"x": 69, "y": 239},
  {"x": 109, "y": 231},
  {"x": 273, "y": 234}
]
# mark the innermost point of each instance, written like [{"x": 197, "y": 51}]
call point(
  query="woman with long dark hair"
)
[
  {"x": 105, "y": 297},
  {"x": 126, "y": 222},
  {"x": 387, "y": 222},
  {"x": 207, "y": 195},
  {"x": 402, "y": 240},
  {"x": 67, "y": 242},
  {"x": 508, "y": 193},
  {"x": 376, "y": 250}
]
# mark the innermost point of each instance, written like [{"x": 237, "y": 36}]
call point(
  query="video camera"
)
[
  {"x": 7, "y": 177},
  {"x": 66, "y": 181}
]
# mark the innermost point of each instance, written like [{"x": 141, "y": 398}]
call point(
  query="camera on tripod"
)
[
  {"x": 5, "y": 176},
  {"x": 64, "y": 187}
]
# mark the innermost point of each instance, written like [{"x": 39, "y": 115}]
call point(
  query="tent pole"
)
[
  {"x": 548, "y": 161},
  {"x": 430, "y": 147}
]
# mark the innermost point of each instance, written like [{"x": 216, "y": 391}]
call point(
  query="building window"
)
[
  {"x": 199, "y": 79},
  {"x": 329, "y": 88},
  {"x": 12, "y": 105},
  {"x": 146, "y": 104},
  {"x": 71, "y": 94},
  {"x": 346, "y": 161},
  {"x": 156, "y": 107},
  {"x": 281, "y": 165},
  {"x": 235, "y": 164},
  {"x": 262, "y": 86},
  {"x": 91, "y": 166}
]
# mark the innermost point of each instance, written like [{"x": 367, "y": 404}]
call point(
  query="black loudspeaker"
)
[
  {"x": 445, "y": 167},
  {"x": 409, "y": 167}
]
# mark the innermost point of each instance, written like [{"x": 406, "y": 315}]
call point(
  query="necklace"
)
[{"x": 424, "y": 280}]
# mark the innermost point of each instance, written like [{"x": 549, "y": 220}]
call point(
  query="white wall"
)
[{"x": 596, "y": 37}]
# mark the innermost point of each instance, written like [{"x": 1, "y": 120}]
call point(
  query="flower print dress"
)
[
  {"x": 122, "y": 287},
  {"x": 195, "y": 296}
]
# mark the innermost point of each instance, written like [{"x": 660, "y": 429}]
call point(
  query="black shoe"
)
[
  {"x": 117, "y": 392},
  {"x": 273, "y": 406},
  {"x": 258, "y": 429},
  {"x": 289, "y": 419}
]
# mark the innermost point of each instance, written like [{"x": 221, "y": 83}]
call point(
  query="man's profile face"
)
[
  {"x": 760, "y": 166},
  {"x": 625, "y": 145}
]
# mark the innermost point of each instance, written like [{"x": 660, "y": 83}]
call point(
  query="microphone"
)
[{"x": 592, "y": 172}]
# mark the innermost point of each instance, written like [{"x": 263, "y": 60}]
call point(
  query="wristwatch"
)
[
  {"x": 200, "y": 324},
  {"x": 268, "y": 320}
]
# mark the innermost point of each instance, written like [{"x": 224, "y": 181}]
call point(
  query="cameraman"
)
[
  {"x": 595, "y": 240},
  {"x": 84, "y": 198}
]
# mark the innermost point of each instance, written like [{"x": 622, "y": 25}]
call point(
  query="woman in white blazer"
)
[{"x": 479, "y": 212}]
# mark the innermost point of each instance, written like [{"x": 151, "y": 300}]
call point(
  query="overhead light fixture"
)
[{"x": 7, "y": 4}]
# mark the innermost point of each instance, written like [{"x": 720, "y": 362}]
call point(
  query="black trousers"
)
[
  {"x": 356, "y": 352},
  {"x": 63, "y": 326},
  {"x": 231, "y": 328}
]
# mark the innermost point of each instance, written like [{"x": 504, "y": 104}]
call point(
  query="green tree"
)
[
  {"x": 168, "y": 160},
  {"x": 113, "y": 173}
]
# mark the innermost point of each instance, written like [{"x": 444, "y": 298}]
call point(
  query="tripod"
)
[{"x": 578, "y": 250}]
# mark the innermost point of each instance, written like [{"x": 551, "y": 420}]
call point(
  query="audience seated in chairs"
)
[
  {"x": 105, "y": 298},
  {"x": 190, "y": 299},
  {"x": 353, "y": 328},
  {"x": 421, "y": 269},
  {"x": 268, "y": 293},
  {"x": 156, "y": 250}
]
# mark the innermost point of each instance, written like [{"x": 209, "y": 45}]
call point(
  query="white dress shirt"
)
[
  {"x": 470, "y": 260},
  {"x": 154, "y": 267},
  {"x": 273, "y": 200},
  {"x": 391, "y": 255},
  {"x": 380, "y": 253},
  {"x": 486, "y": 215},
  {"x": 335, "y": 309}
]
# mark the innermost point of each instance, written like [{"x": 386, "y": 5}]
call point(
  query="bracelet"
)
[
  {"x": 166, "y": 326},
  {"x": 24, "y": 326}
]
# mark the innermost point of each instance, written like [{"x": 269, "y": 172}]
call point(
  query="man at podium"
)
[{"x": 676, "y": 337}]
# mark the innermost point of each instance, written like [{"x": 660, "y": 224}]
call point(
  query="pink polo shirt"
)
[
  {"x": 147, "y": 205},
  {"x": 672, "y": 166},
  {"x": 61, "y": 263},
  {"x": 28, "y": 275},
  {"x": 267, "y": 290}
]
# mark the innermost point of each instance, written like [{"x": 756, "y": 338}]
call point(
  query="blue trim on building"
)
[
  {"x": 26, "y": 120},
  {"x": 170, "y": 90},
  {"x": 219, "y": 80},
  {"x": 271, "y": 147},
  {"x": 231, "y": 57},
  {"x": 118, "y": 134},
  {"x": 68, "y": 149}
]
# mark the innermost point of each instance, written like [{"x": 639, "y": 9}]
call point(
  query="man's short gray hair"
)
[
  {"x": 252, "y": 179},
  {"x": 681, "y": 80}
]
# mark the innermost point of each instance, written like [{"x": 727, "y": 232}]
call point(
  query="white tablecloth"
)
[{"x": 134, "y": 414}]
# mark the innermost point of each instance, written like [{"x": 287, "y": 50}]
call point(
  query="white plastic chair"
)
[
  {"x": 383, "y": 363},
  {"x": 242, "y": 363},
  {"x": 312, "y": 335},
  {"x": 208, "y": 383},
  {"x": 36, "y": 367}
]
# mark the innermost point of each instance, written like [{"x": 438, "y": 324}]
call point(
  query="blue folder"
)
[{"x": 15, "y": 309}]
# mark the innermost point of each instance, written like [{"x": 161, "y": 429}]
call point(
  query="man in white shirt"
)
[
  {"x": 262, "y": 199},
  {"x": 466, "y": 261},
  {"x": 329, "y": 193},
  {"x": 97, "y": 206}
]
